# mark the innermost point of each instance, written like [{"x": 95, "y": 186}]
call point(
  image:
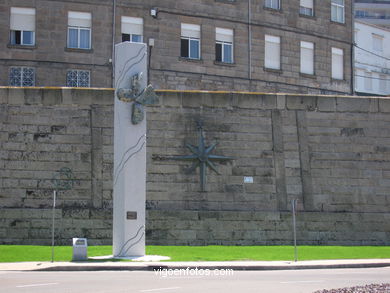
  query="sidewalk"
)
[{"x": 234, "y": 265}]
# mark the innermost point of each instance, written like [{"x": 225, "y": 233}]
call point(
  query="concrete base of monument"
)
[{"x": 133, "y": 258}]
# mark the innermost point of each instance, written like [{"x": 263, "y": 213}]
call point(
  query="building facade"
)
[
  {"x": 376, "y": 12},
  {"x": 372, "y": 60},
  {"x": 299, "y": 46}
]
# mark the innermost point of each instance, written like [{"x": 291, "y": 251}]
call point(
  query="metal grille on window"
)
[
  {"x": 22, "y": 76},
  {"x": 15, "y": 76},
  {"x": 28, "y": 77},
  {"x": 71, "y": 78},
  {"x": 83, "y": 79},
  {"x": 78, "y": 78}
]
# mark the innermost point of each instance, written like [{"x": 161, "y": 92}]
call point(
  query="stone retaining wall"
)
[{"x": 329, "y": 152}]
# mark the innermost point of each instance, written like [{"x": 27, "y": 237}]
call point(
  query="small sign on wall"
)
[
  {"x": 131, "y": 215},
  {"x": 248, "y": 179}
]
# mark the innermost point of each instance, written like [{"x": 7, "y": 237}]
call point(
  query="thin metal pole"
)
[
  {"x": 294, "y": 202},
  {"x": 52, "y": 225}
]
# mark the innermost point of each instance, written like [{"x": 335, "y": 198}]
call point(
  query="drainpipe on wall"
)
[
  {"x": 113, "y": 41},
  {"x": 249, "y": 40}
]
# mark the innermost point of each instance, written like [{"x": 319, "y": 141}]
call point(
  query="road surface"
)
[{"x": 298, "y": 281}]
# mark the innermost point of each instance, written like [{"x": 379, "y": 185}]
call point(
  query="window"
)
[
  {"x": 190, "y": 41},
  {"x": 22, "y": 76},
  {"x": 78, "y": 78},
  {"x": 337, "y": 63},
  {"x": 356, "y": 36},
  {"x": 368, "y": 81},
  {"x": 307, "y": 57},
  {"x": 337, "y": 11},
  {"x": 272, "y": 52},
  {"x": 361, "y": 13},
  {"x": 79, "y": 30},
  {"x": 382, "y": 83},
  {"x": 132, "y": 29},
  {"x": 377, "y": 42},
  {"x": 306, "y": 7},
  {"x": 273, "y": 4},
  {"x": 22, "y": 26},
  {"x": 223, "y": 45}
]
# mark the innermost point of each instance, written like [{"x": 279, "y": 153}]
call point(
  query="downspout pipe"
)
[{"x": 249, "y": 40}]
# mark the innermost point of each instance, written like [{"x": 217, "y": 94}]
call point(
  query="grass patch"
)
[
  {"x": 17, "y": 253},
  {"x": 268, "y": 253}
]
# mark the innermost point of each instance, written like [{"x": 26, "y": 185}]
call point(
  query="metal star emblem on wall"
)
[{"x": 202, "y": 157}]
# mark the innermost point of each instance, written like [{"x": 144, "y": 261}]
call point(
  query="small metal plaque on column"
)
[{"x": 131, "y": 215}]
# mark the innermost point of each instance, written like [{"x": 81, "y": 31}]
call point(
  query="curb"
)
[{"x": 209, "y": 267}]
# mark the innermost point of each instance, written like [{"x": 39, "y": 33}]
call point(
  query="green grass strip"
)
[
  {"x": 268, "y": 253},
  {"x": 17, "y": 253}
]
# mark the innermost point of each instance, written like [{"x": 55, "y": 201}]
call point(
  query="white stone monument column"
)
[{"x": 129, "y": 178}]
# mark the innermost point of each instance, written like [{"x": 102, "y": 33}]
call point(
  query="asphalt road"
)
[{"x": 300, "y": 281}]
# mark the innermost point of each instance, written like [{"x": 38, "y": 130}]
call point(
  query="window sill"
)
[
  {"x": 219, "y": 63},
  {"x": 76, "y": 50},
  {"x": 227, "y": 1},
  {"x": 306, "y": 75},
  {"x": 271, "y": 70},
  {"x": 339, "y": 23},
  {"x": 308, "y": 16},
  {"x": 278, "y": 10},
  {"x": 190, "y": 60},
  {"x": 25, "y": 47},
  {"x": 335, "y": 80}
]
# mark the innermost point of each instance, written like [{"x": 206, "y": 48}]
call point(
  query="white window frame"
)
[
  {"x": 377, "y": 42},
  {"x": 338, "y": 11},
  {"x": 78, "y": 37},
  {"x": 78, "y": 81},
  {"x": 383, "y": 83},
  {"x": 191, "y": 38},
  {"x": 272, "y": 4},
  {"x": 224, "y": 37},
  {"x": 336, "y": 53},
  {"x": 22, "y": 41},
  {"x": 79, "y": 29},
  {"x": 307, "y": 55},
  {"x": 368, "y": 81},
  {"x": 137, "y": 22},
  {"x": 272, "y": 40},
  {"x": 305, "y": 8},
  {"x": 26, "y": 25},
  {"x": 356, "y": 36},
  {"x": 22, "y": 81}
]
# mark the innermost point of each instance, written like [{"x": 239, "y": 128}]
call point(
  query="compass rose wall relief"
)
[{"x": 202, "y": 156}]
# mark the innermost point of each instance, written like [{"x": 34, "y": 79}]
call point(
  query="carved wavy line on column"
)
[
  {"x": 135, "y": 243},
  {"x": 124, "y": 71},
  {"x": 125, "y": 153},
  {"x": 124, "y": 163},
  {"x": 132, "y": 238}
]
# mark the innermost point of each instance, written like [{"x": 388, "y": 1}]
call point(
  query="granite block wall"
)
[
  {"x": 51, "y": 58},
  {"x": 329, "y": 152}
]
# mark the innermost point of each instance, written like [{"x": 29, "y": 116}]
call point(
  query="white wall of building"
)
[{"x": 372, "y": 59}]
